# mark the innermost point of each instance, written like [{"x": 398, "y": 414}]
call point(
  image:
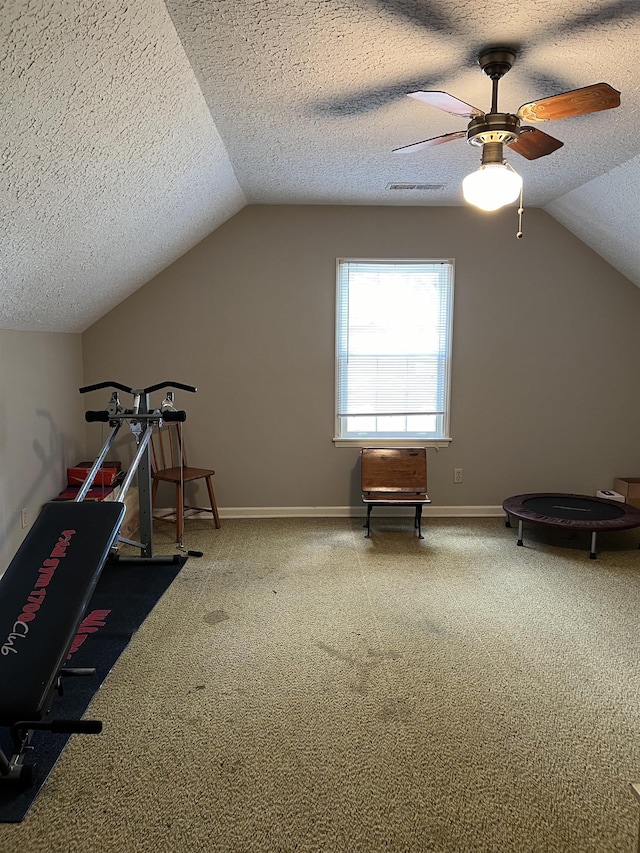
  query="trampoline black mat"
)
[{"x": 572, "y": 507}]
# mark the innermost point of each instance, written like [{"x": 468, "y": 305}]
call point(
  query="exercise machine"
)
[
  {"x": 47, "y": 586},
  {"x": 141, "y": 418}
]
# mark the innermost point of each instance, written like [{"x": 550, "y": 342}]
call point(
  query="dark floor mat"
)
[{"x": 125, "y": 595}]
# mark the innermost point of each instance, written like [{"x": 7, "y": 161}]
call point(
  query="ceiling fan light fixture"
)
[{"x": 492, "y": 186}]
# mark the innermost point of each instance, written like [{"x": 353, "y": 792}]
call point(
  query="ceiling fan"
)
[{"x": 493, "y": 130}]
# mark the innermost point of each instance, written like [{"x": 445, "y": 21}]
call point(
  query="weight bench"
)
[
  {"x": 43, "y": 596},
  {"x": 394, "y": 477}
]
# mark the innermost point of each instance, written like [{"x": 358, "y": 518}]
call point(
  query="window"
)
[{"x": 393, "y": 351}]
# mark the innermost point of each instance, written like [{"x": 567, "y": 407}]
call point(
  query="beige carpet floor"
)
[{"x": 301, "y": 688}]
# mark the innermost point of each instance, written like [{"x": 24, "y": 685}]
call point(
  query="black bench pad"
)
[{"x": 43, "y": 596}]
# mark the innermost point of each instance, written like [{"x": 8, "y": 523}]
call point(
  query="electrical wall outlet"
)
[
  {"x": 23, "y": 517},
  {"x": 457, "y": 475}
]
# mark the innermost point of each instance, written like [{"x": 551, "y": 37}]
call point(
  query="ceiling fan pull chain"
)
[
  {"x": 519, "y": 233},
  {"x": 520, "y": 212}
]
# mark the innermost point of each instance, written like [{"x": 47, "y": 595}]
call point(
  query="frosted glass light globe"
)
[{"x": 491, "y": 186}]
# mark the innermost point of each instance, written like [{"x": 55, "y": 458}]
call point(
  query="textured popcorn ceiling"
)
[
  {"x": 112, "y": 166},
  {"x": 605, "y": 213},
  {"x": 133, "y": 129}
]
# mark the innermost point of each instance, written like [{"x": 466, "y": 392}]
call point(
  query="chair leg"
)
[
  {"x": 179, "y": 512},
  {"x": 154, "y": 492},
  {"x": 214, "y": 505}
]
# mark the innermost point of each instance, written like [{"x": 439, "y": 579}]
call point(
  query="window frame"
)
[{"x": 396, "y": 441}]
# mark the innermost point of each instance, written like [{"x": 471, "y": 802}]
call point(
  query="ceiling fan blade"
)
[
  {"x": 428, "y": 143},
  {"x": 590, "y": 99},
  {"x": 447, "y": 103},
  {"x": 533, "y": 143}
]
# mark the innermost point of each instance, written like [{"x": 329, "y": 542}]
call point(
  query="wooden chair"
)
[
  {"x": 394, "y": 477},
  {"x": 169, "y": 465}
]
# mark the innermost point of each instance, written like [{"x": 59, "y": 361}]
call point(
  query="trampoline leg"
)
[
  {"x": 592, "y": 554},
  {"x": 507, "y": 522},
  {"x": 520, "y": 531}
]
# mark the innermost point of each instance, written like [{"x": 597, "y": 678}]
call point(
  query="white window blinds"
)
[{"x": 393, "y": 346}]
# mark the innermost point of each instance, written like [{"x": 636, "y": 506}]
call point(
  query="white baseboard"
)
[{"x": 353, "y": 511}]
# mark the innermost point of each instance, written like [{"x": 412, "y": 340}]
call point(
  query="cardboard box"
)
[
  {"x": 131, "y": 521},
  {"x": 95, "y": 493},
  {"x": 629, "y": 488},
  {"x": 106, "y": 476},
  {"x": 108, "y": 463}
]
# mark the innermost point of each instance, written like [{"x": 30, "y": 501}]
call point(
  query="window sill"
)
[{"x": 392, "y": 442}]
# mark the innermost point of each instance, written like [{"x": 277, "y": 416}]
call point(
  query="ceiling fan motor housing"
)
[
  {"x": 493, "y": 127},
  {"x": 496, "y": 61}
]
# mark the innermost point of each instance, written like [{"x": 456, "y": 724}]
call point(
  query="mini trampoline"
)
[{"x": 573, "y": 512}]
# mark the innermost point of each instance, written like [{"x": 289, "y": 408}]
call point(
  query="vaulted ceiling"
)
[{"x": 134, "y": 128}]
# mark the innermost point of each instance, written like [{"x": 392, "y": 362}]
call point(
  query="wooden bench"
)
[{"x": 394, "y": 477}]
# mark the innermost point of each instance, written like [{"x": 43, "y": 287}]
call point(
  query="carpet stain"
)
[
  {"x": 390, "y": 655},
  {"x": 216, "y": 616},
  {"x": 388, "y": 713},
  {"x": 363, "y": 669}
]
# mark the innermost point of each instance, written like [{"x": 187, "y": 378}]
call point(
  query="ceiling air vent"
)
[{"x": 419, "y": 187}]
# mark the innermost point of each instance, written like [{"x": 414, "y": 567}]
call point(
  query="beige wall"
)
[
  {"x": 42, "y": 428},
  {"x": 545, "y": 356}
]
